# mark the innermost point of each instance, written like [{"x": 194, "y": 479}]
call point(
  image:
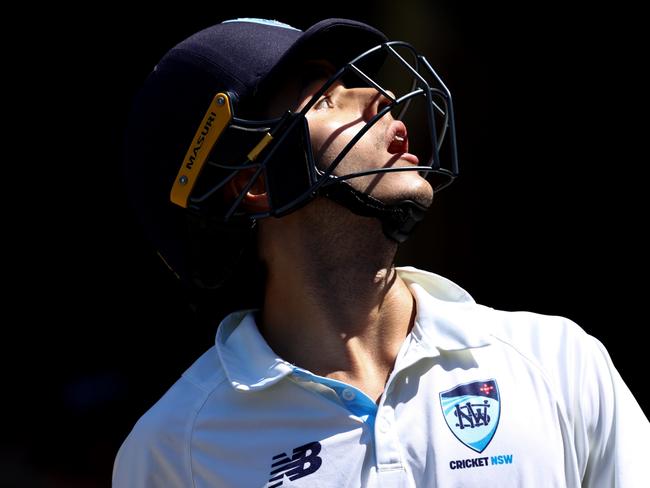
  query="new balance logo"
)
[{"x": 304, "y": 461}]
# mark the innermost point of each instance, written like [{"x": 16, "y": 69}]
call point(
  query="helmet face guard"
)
[{"x": 280, "y": 152}]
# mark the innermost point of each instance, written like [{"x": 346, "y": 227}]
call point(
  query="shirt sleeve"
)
[
  {"x": 611, "y": 426},
  {"x": 151, "y": 457},
  {"x": 156, "y": 454}
]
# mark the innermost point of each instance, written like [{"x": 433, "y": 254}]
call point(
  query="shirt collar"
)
[
  {"x": 447, "y": 316},
  {"x": 248, "y": 361},
  {"x": 447, "y": 319}
]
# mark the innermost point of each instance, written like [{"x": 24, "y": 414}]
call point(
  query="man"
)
[{"x": 353, "y": 372}]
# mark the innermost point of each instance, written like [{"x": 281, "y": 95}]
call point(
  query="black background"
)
[{"x": 547, "y": 215}]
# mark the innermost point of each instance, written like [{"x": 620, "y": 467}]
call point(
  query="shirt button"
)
[
  {"x": 348, "y": 394},
  {"x": 383, "y": 426}
]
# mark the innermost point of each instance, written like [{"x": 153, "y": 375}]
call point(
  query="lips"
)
[{"x": 398, "y": 143}]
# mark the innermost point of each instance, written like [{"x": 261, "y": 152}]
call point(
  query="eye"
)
[{"x": 323, "y": 103}]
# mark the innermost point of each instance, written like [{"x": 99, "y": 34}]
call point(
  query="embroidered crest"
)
[{"x": 471, "y": 411}]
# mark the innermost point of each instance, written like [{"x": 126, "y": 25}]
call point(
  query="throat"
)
[
  {"x": 348, "y": 336},
  {"x": 334, "y": 303},
  {"x": 371, "y": 383}
]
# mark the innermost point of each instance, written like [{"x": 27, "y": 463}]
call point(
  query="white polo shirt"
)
[{"x": 477, "y": 398}]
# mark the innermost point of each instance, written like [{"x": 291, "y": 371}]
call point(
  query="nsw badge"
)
[{"x": 471, "y": 411}]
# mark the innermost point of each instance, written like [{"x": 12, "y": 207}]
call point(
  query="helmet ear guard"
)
[{"x": 289, "y": 172}]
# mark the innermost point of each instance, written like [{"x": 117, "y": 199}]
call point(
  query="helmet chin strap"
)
[{"x": 398, "y": 220}]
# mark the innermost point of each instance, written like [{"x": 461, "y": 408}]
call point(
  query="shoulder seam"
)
[
  {"x": 538, "y": 367},
  {"x": 525, "y": 356},
  {"x": 193, "y": 423},
  {"x": 201, "y": 386}
]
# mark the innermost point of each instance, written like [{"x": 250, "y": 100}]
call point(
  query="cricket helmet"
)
[{"x": 200, "y": 120}]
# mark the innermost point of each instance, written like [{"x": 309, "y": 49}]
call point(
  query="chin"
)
[
  {"x": 416, "y": 189},
  {"x": 422, "y": 198}
]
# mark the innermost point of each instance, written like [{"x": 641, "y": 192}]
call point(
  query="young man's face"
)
[{"x": 338, "y": 116}]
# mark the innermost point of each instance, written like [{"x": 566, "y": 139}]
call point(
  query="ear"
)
[{"x": 256, "y": 198}]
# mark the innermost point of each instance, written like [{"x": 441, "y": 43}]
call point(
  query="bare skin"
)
[{"x": 334, "y": 303}]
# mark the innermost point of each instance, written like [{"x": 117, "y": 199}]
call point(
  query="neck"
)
[{"x": 336, "y": 295}]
